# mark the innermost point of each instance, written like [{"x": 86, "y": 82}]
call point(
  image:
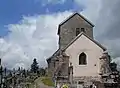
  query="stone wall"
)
[
  {"x": 86, "y": 81},
  {"x": 68, "y": 30}
]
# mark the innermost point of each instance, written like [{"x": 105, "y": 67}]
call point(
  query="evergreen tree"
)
[
  {"x": 19, "y": 69},
  {"x": 113, "y": 66},
  {"x": 27, "y": 72},
  {"x": 10, "y": 74},
  {"x": 34, "y": 66},
  {"x": 24, "y": 73}
]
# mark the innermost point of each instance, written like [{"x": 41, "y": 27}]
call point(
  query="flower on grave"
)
[{"x": 64, "y": 86}]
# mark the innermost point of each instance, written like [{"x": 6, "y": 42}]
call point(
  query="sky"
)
[
  {"x": 11, "y": 11},
  {"x": 28, "y": 28}
]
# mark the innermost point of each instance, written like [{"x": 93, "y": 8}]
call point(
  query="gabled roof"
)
[
  {"x": 82, "y": 33},
  {"x": 71, "y": 17}
]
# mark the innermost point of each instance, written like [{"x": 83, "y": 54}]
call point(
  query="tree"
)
[
  {"x": 10, "y": 74},
  {"x": 24, "y": 73},
  {"x": 113, "y": 66},
  {"x": 34, "y": 66},
  {"x": 19, "y": 69}
]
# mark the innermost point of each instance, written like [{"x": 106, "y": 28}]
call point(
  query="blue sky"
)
[
  {"x": 12, "y": 11},
  {"x": 29, "y": 36},
  {"x": 22, "y": 34}
]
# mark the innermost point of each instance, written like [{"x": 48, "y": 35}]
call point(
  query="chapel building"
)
[{"x": 80, "y": 60}]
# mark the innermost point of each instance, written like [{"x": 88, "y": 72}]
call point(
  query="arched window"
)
[{"x": 82, "y": 59}]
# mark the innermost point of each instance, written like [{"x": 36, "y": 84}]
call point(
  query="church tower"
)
[{"x": 72, "y": 27}]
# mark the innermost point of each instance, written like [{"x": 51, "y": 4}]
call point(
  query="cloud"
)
[
  {"x": 56, "y": 1},
  {"x": 91, "y": 8},
  {"x": 32, "y": 37},
  {"x": 35, "y": 36},
  {"x": 105, "y": 15},
  {"x": 107, "y": 27},
  {"x": 46, "y": 2}
]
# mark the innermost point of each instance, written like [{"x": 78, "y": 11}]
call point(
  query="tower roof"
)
[{"x": 71, "y": 16}]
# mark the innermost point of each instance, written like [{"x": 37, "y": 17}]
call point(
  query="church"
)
[{"x": 80, "y": 60}]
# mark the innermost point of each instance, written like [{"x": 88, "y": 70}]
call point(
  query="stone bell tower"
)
[{"x": 72, "y": 27}]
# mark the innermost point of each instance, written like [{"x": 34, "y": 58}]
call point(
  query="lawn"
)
[{"x": 47, "y": 81}]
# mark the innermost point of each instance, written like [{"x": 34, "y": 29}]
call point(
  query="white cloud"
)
[
  {"x": 56, "y": 1},
  {"x": 45, "y": 2},
  {"x": 36, "y": 36},
  {"x": 105, "y": 15},
  {"x": 91, "y": 8},
  {"x": 32, "y": 37}
]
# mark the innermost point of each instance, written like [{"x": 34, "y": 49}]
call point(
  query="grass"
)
[
  {"x": 31, "y": 86},
  {"x": 37, "y": 82},
  {"x": 47, "y": 81}
]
